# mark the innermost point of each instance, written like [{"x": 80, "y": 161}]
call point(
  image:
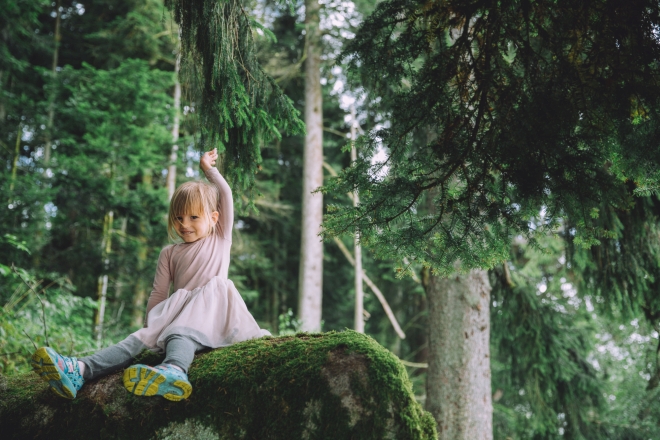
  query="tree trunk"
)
[
  {"x": 140, "y": 288},
  {"x": 357, "y": 249},
  {"x": 458, "y": 383},
  {"x": 140, "y": 296},
  {"x": 14, "y": 162},
  {"x": 51, "y": 100},
  {"x": 102, "y": 290},
  {"x": 336, "y": 385},
  {"x": 3, "y": 110},
  {"x": 310, "y": 282},
  {"x": 171, "y": 169}
]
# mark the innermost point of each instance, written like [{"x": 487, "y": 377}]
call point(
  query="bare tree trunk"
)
[
  {"x": 140, "y": 287},
  {"x": 171, "y": 169},
  {"x": 106, "y": 246},
  {"x": 3, "y": 110},
  {"x": 458, "y": 384},
  {"x": 311, "y": 247},
  {"x": 14, "y": 163},
  {"x": 359, "y": 292},
  {"x": 51, "y": 99}
]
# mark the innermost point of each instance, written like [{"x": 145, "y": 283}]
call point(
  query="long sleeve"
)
[
  {"x": 162, "y": 280},
  {"x": 226, "y": 204}
]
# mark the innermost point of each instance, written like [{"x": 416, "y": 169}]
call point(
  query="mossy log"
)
[{"x": 309, "y": 386}]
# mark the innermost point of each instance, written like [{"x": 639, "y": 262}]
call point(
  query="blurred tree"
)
[
  {"x": 310, "y": 276},
  {"x": 113, "y": 134}
]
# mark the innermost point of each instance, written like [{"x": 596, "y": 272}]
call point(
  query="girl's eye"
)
[
  {"x": 194, "y": 217},
  {"x": 180, "y": 219}
]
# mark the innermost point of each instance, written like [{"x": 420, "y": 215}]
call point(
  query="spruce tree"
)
[{"x": 498, "y": 110}]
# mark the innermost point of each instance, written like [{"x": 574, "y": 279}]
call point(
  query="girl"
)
[{"x": 205, "y": 310}]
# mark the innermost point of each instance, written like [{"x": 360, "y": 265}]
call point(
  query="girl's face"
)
[{"x": 195, "y": 227}]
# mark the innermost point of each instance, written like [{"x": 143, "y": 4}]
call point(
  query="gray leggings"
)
[{"x": 179, "y": 351}]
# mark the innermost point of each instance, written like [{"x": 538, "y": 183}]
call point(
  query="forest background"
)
[{"x": 87, "y": 113}]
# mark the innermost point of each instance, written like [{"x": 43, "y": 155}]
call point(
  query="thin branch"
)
[
  {"x": 374, "y": 288},
  {"x": 28, "y": 336},
  {"x": 337, "y": 132},
  {"x": 414, "y": 274},
  {"x": 333, "y": 173},
  {"x": 414, "y": 364}
]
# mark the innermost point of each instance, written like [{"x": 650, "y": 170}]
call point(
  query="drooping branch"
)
[{"x": 238, "y": 105}]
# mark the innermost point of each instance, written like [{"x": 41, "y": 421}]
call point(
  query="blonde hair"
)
[{"x": 192, "y": 198}]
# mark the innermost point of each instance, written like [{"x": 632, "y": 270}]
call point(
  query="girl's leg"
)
[
  {"x": 180, "y": 351},
  {"x": 168, "y": 379},
  {"x": 113, "y": 358},
  {"x": 63, "y": 373}
]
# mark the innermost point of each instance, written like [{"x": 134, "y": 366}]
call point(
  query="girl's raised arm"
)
[{"x": 226, "y": 204}]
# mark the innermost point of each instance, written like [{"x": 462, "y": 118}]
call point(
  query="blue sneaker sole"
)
[
  {"x": 45, "y": 365},
  {"x": 143, "y": 380}
]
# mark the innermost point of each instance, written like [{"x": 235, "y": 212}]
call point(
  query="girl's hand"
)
[{"x": 208, "y": 159}]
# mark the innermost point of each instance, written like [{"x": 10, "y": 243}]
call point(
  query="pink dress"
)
[{"x": 205, "y": 305}]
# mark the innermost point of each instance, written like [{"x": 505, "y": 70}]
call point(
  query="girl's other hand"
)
[{"x": 208, "y": 159}]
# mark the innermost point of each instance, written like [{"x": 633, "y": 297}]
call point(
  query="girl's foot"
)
[
  {"x": 62, "y": 373},
  {"x": 162, "y": 380}
]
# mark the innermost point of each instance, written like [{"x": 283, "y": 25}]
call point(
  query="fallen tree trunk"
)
[{"x": 333, "y": 385}]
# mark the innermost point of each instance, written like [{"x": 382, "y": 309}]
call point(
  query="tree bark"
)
[
  {"x": 359, "y": 293},
  {"x": 141, "y": 286},
  {"x": 102, "y": 290},
  {"x": 14, "y": 162},
  {"x": 336, "y": 385},
  {"x": 51, "y": 100},
  {"x": 458, "y": 384},
  {"x": 310, "y": 282},
  {"x": 171, "y": 169}
]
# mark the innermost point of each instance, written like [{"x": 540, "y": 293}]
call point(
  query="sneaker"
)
[
  {"x": 162, "y": 380},
  {"x": 62, "y": 373}
]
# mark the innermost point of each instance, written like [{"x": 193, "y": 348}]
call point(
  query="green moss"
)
[{"x": 309, "y": 386}]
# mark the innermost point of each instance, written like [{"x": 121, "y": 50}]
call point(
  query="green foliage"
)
[
  {"x": 278, "y": 388},
  {"x": 105, "y": 33},
  {"x": 288, "y": 324},
  {"x": 35, "y": 312},
  {"x": 566, "y": 361},
  {"x": 542, "y": 338},
  {"x": 241, "y": 106},
  {"x": 67, "y": 318},
  {"x": 112, "y": 136},
  {"x": 495, "y": 111},
  {"x": 624, "y": 270}
]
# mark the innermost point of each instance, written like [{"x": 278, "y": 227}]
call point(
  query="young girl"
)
[{"x": 205, "y": 310}]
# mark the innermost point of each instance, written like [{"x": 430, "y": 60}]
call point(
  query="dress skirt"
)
[{"x": 214, "y": 315}]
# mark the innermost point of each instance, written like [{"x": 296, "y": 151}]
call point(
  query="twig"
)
[
  {"x": 43, "y": 307},
  {"x": 414, "y": 364},
  {"x": 28, "y": 336},
  {"x": 376, "y": 290},
  {"x": 412, "y": 271},
  {"x": 333, "y": 173}
]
